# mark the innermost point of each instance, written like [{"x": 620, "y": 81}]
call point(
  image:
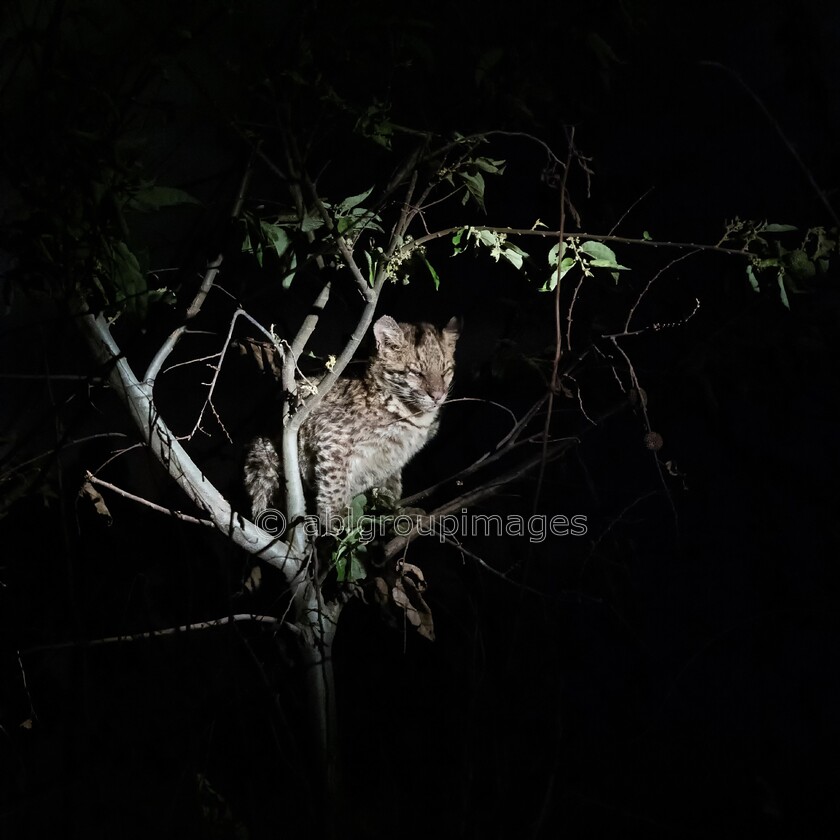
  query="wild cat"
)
[{"x": 364, "y": 431}]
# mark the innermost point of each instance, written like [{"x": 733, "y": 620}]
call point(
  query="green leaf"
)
[
  {"x": 348, "y": 566},
  {"x": 646, "y": 236},
  {"x": 602, "y": 257},
  {"x": 128, "y": 280},
  {"x": 357, "y": 570},
  {"x": 607, "y": 264},
  {"x": 357, "y": 509},
  {"x": 475, "y": 187},
  {"x": 801, "y": 265},
  {"x": 551, "y": 284},
  {"x": 254, "y": 237},
  {"x": 513, "y": 254},
  {"x": 512, "y": 257},
  {"x": 494, "y": 167},
  {"x": 780, "y": 278},
  {"x": 358, "y": 219},
  {"x": 371, "y": 268},
  {"x": 552, "y": 254},
  {"x": 486, "y": 237},
  {"x": 824, "y": 245},
  {"x": 434, "y": 274},
  {"x": 456, "y": 241},
  {"x": 345, "y": 206},
  {"x": 152, "y": 198},
  {"x": 276, "y": 237},
  {"x": 565, "y": 264},
  {"x": 162, "y": 295},
  {"x": 599, "y": 251},
  {"x": 777, "y": 228},
  {"x": 311, "y": 221},
  {"x": 374, "y": 125},
  {"x": 287, "y": 279},
  {"x": 752, "y": 278}
]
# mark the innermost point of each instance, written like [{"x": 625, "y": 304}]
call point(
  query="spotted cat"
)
[{"x": 365, "y": 431}]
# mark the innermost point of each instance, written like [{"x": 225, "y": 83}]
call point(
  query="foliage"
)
[{"x": 794, "y": 269}]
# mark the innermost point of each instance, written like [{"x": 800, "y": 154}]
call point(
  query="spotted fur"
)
[{"x": 365, "y": 431}]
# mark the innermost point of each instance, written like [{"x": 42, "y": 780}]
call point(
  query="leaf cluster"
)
[{"x": 792, "y": 264}]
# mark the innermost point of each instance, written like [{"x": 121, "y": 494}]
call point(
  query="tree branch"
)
[
  {"x": 209, "y": 278},
  {"x": 593, "y": 237},
  {"x": 137, "y": 397},
  {"x": 184, "y": 517},
  {"x": 397, "y": 544},
  {"x": 155, "y": 634}
]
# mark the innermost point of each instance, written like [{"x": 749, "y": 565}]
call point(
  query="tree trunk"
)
[{"x": 318, "y": 624}]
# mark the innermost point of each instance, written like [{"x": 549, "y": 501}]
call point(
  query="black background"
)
[{"x": 671, "y": 674}]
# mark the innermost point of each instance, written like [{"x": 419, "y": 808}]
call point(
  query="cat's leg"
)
[
  {"x": 392, "y": 489},
  {"x": 392, "y": 486},
  {"x": 331, "y": 497}
]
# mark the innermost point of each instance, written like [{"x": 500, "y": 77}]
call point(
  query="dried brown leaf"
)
[
  {"x": 380, "y": 591},
  {"x": 402, "y": 600},
  {"x": 89, "y": 492},
  {"x": 254, "y": 579},
  {"x": 397, "y": 592},
  {"x": 264, "y": 354}
]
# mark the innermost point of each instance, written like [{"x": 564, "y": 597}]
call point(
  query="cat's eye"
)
[{"x": 415, "y": 371}]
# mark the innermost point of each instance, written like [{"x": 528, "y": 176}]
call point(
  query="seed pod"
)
[{"x": 653, "y": 441}]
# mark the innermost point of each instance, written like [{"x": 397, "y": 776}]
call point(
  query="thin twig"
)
[
  {"x": 650, "y": 282},
  {"x": 558, "y": 336},
  {"x": 643, "y": 405},
  {"x": 394, "y": 546},
  {"x": 184, "y": 517},
  {"x": 629, "y": 210},
  {"x": 73, "y": 377},
  {"x": 594, "y": 237},
  {"x": 344, "y": 248},
  {"x": 487, "y": 567},
  {"x": 64, "y": 446},
  {"x": 505, "y": 446},
  {"x": 209, "y": 278},
  {"x": 154, "y": 634},
  {"x": 821, "y": 194}
]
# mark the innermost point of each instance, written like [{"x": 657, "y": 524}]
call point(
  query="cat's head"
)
[{"x": 415, "y": 362}]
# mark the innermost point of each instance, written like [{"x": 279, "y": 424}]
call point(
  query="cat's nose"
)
[{"x": 437, "y": 390}]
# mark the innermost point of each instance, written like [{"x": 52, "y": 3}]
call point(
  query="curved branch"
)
[
  {"x": 207, "y": 281},
  {"x": 397, "y": 544},
  {"x": 593, "y": 237},
  {"x": 137, "y": 397}
]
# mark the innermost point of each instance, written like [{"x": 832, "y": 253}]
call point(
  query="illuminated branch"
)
[{"x": 138, "y": 399}]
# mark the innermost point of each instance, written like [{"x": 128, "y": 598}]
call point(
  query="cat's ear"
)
[
  {"x": 453, "y": 329},
  {"x": 388, "y": 333}
]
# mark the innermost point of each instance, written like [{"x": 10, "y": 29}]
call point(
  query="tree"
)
[
  {"x": 85, "y": 176},
  {"x": 286, "y": 121}
]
